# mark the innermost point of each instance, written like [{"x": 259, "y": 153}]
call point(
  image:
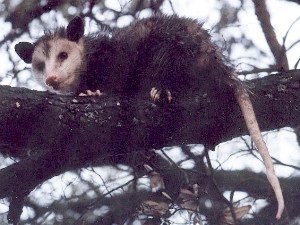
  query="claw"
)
[
  {"x": 92, "y": 93},
  {"x": 99, "y": 93},
  {"x": 155, "y": 94},
  {"x": 169, "y": 95},
  {"x": 89, "y": 93}
]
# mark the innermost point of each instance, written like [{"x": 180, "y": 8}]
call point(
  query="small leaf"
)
[
  {"x": 189, "y": 200},
  {"x": 148, "y": 168},
  {"x": 240, "y": 212},
  {"x": 156, "y": 180},
  {"x": 166, "y": 195},
  {"x": 154, "y": 208}
]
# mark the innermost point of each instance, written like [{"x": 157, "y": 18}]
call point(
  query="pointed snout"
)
[{"x": 52, "y": 81}]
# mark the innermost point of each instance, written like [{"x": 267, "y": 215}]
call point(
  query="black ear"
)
[
  {"x": 75, "y": 29},
  {"x": 25, "y": 51}
]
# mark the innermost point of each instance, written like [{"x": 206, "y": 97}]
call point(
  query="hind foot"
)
[
  {"x": 155, "y": 94},
  {"x": 92, "y": 93}
]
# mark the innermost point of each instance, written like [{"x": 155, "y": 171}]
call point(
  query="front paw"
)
[{"x": 92, "y": 93}]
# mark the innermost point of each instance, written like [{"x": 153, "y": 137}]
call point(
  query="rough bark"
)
[{"x": 52, "y": 134}]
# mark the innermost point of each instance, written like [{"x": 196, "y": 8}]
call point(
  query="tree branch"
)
[
  {"x": 52, "y": 134},
  {"x": 278, "y": 51}
]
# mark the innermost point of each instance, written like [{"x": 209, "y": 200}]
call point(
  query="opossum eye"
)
[
  {"x": 39, "y": 66},
  {"x": 62, "y": 56}
]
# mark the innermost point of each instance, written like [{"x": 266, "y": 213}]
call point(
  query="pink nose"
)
[{"x": 52, "y": 80}]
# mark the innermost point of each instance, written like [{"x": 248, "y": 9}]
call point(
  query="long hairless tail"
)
[{"x": 252, "y": 125}]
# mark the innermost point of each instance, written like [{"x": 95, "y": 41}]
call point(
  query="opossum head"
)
[{"x": 57, "y": 58}]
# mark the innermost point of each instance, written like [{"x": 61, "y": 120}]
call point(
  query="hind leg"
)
[
  {"x": 153, "y": 82},
  {"x": 163, "y": 78}
]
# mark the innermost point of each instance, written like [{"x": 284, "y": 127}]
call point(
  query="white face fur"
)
[{"x": 56, "y": 64}]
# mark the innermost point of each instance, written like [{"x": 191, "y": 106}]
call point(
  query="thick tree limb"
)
[
  {"x": 30, "y": 120},
  {"x": 40, "y": 122},
  {"x": 52, "y": 134}
]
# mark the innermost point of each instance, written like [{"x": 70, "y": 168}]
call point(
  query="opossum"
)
[{"x": 164, "y": 57}]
